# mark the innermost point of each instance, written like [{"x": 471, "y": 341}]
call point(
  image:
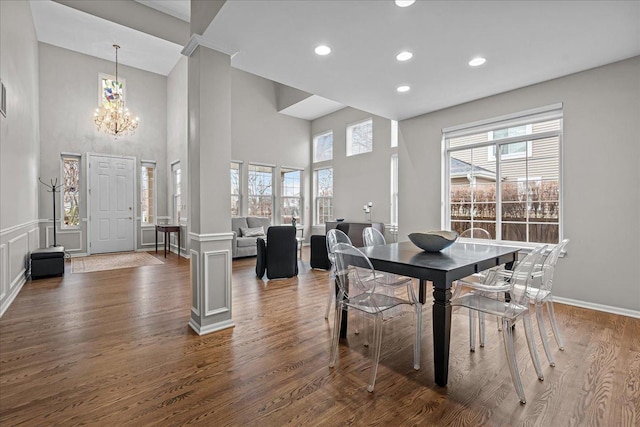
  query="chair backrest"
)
[
  {"x": 476, "y": 233},
  {"x": 282, "y": 252},
  {"x": 335, "y": 236},
  {"x": 353, "y": 264},
  {"x": 372, "y": 237},
  {"x": 521, "y": 276},
  {"x": 549, "y": 265}
]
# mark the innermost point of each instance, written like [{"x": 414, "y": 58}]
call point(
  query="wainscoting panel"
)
[
  {"x": 34, "y": 239},
  {"x": 70, "y": 239},
  {"x": 218, "y": 301},
  {"x": 18, "y": 251},
  {"x": 195, "y": 289},
  {"x": 4, "y": 274},
  {"x": 149, "y": 237}
]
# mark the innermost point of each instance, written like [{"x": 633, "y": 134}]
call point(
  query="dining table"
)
[{"x": 459, "y": 260}]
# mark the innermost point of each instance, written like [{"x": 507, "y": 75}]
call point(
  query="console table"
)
[{"x": 167, "y": 229}]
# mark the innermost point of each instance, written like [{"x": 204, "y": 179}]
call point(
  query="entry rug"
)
[{"x": 113, "y": 261}]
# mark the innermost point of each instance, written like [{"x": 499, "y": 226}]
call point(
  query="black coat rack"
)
[{"x": 53, "y": 189}]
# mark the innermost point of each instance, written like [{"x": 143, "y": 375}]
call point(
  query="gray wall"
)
[
  {"x": 68, "y": 98},
  {"x": 260, "y": 134},
  {"x": 358, "y": 179},
  {"x": 177, "y": 138},
  {"x": 601, "y": 151},
  {"x": 19, "y": 146}
]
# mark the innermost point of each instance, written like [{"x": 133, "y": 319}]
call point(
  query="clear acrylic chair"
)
[
  {"x": 359, "y": 289},
  {"x": 481, "y": 299},
  {"x": 334, "y": 236},
  {"x": 481, "y": 277},
  {"x": 373, "y": 237}
]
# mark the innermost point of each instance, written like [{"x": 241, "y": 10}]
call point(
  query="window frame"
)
[
  {"x": 538, "y": 115},
  {"x": 78, "y": 157},
  {"x": 300, "y": 217},
  {"x": 176, "y": 170},
  {"x": 349, "y": 137},
  {"x": 318, "y": 198},
  {"x": 270, "y": 196},
  {"x": 393, "y": 218},
  {"x": 149, "y": 164},
  {"x": 239, "y": 194}
]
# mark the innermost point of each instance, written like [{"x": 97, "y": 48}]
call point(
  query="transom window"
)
[
  {"x": 176, "y": 172},
  {"x": 360, "y": 137},
  {"x": 260, "y": 188},
  {"x": 323, "y": 147},
  {"x": 516, "y": 196},
  {"x": 323, "y": 183}
]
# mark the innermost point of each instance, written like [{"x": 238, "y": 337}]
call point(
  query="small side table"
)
[{"x": 167, "y": 229}]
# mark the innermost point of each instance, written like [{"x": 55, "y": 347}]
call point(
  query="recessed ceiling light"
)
[
  {"x": 477, "y": 61},
  {"x": 322, "y": 50},
  {"x": 404, "y": 56},
  {"x": 403, "y": 88},
  {"x": 404, "y": 3}
]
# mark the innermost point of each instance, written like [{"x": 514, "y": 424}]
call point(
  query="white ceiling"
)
[{"x": 525, "y": 42}]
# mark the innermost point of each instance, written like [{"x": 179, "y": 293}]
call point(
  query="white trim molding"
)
[
  {"x": 203, "y": 330},
  {"x": 598, "y": 307},
  {"x": 226, "y": 256},
  {"x": 18, "y": 227},
  {"x": 195, "y": 271},
  {"x": 212, "y": 237},
  {"x": 198, "y": 40}
]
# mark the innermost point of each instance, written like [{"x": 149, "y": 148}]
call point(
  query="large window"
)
[
  {"x": 360, "y": 137},
  {"x": 148, "y": 192},
  {"x": 290, "y": 195},
  {"x": 323, "y": 181},
  {"x": 236, "y": 199},
  {"x": 516, "y": 194},
  {"x": 70, "y": 191},
  {"x": 260, "y": 190},
  {"x": 177, "y": 196},
  {"x": 323, "y": 147}
]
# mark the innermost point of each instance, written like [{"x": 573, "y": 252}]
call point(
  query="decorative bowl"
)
[{"x": 433, "y": 241}]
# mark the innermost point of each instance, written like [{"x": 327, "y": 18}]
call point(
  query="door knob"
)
[{"x": 130, "y": 218}]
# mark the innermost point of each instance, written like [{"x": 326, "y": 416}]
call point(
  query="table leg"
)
[
  {"x": 178, "y": 244},
  {"x": 441, "y": 333},
  {"x": 165, "y": 243},
  {"x": 345, "y": 313},
  {"x": 156, "y": 240},
  {"x": 422, "y": 291}
]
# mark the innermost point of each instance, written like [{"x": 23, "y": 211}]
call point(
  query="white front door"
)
[{"x": 111, "y": 192}]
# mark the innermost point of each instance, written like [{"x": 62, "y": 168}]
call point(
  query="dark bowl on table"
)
[{"x": 433, "y": 241}]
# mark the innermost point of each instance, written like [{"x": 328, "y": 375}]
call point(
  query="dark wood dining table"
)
[{"x": 441, "y": 268}]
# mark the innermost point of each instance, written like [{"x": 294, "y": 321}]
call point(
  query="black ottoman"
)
[
  {"x": 47, "y": 262},
  {"x": 319, "y": 258}
]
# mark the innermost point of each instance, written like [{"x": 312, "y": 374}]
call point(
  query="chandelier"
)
[{"x": 112, "y": 117}]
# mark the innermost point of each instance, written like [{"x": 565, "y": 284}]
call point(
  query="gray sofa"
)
[{"x": 243, "y": 245}]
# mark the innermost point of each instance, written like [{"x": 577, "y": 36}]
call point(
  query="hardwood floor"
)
[{"x": 113, "y": 348}]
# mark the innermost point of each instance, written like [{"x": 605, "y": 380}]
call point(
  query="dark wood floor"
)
[{"x": 113, "y": 348}]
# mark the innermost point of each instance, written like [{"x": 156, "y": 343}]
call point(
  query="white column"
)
[{"x": 209, "y": 156}]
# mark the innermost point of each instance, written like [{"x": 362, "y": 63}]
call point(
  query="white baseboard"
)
[
  {"x": 77, "y": 254},
  {"x": 599, "y": 307},
  {"x": 203, "y": 330},
  {"x": 14, "y": 293}
]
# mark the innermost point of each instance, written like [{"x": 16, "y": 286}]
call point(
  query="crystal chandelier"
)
[{"x": 112, "y": 117}]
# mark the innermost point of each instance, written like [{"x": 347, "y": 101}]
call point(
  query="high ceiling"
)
[{"x": 524, "y": 42}]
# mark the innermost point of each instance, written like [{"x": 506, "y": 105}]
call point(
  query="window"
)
[
  {"x": 360, "y": 137},
  {"x": 70, "y": 191},
  {"x": 323, "y": 147},
  {"x": 260, "y": 190},
  {"x": 512, "y": 151},
  {"x": 148, "y": 193},
  {"x": 324, "y": 195},
  {"x": 236, "y": 207},
  {"x": 290, "y": 195},
  {"x": 394, "y": 189},
  {"x": 177, "y": 199},
  {"x": 516, "y": 196},
  {"x": 110, "y": 91}
]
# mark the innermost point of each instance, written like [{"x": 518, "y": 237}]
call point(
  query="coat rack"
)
[{"x": 53, "y": 189}]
